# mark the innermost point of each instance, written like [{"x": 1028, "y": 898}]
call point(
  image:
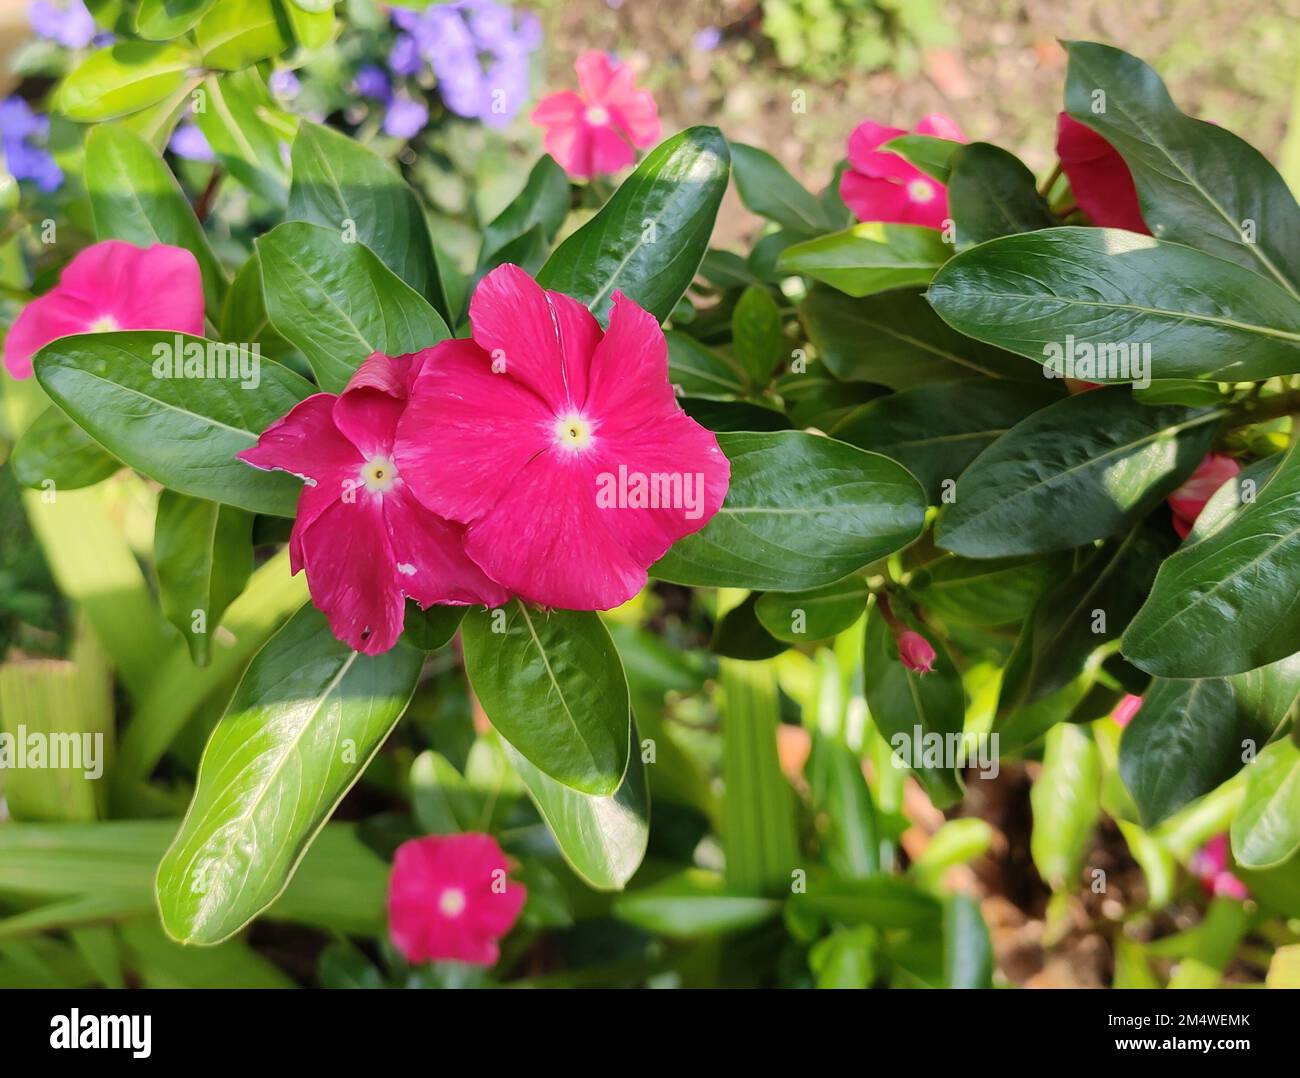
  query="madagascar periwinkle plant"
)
[{"x": 390, "y": 591}]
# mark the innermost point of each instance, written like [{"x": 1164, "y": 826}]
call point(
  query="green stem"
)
[{"x": 1262, "y": 410}]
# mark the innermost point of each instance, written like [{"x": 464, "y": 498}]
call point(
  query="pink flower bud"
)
[
  {"x": 1189, "y": 499},
  {"x": 915, "y": 652},
  {"x": 1126, "y": 709}
]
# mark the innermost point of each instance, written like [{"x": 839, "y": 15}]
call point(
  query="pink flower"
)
[
  {"x": 1126, "y": 709},
  {"x": 881, "y": 186},
  {"x": 1210, "y": 865},
  {"x": 563, "y": 449},
  {"x": 362, "y": 537},
  {"x": 1101, "y": 182},
  {"x": 1189, "y": 499},
  {"x": 449, "y": 898},
  {"x": 110, "y": 286},
  {"x": 594, "y": 131},
  {"x": 915, "y": 652}
]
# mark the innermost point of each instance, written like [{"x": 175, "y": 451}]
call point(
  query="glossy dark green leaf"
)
[
  {"x": 801, "y": 511},
  {"x": 603, "y": 839},
  {"x": 181, "y": 432},
  {"x": 342, "y": 185},
  {"x": 1227, "y": 604},
  {"x": 767, "y": 189},
  {"x": 162, "y": 20},
  {"x": 756, "y": 338},
  {"x": 544, "y": 201},
  {"x": 136, "y": 198},
  {"x": 985, "y": 591},
  {"x": 238, "y": 33},
  {"x": 1104, "y": 305},
  {"x": 554, "y": 687},
  {"x": 896, "y": 340},
  {"x": 918, "y": 714},
  {"x": 738, "y": 634},
  {"x": 338, "y": 303},
  {"x": 813, "y": 397},
  {"x": 991, "y": 193},
  {"x": 930, "y": 154},
  {"x": 696, "y": 370},
  {"x": 800, "y": 617},
  {"x": 203, "y": 553},
  {"x": 1266, "y": 830},
  {"x": 648, "y": 240},
  {"x": 1192, "y": 735},
  {"x": 1066, "y": 803},
  {"x": 55, "y": 450},
  {"x": 720, "y": 415},
  {"x": 1232, "y": 497},
  {"x": 1197, "y": 182},
  {"x": 935, "y": 431},
  {"x": 1084, "y": 468},
  {"x": 306, "y": 719},
  {"x": 869, "y": 258},
  {"x": 123, "y": 78},
  {"x": 693, "y": 904},
  {"x": 243, "y": 316},
  {"x": 432, "y": 628},
  {"x": 248, "y": 131}
]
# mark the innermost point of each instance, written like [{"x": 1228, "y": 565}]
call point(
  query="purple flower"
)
[
  {"x": 284, "y": 83},
  {"x": 404, "y": 57},
  {"x": 372, "y": 81},
  {"x": 25, "y": 161},
  {"x": 70, "y": 24},
  {"x": 708, "y": 39},
  {"x": 190, "y": 143},
  {"x": 405, "y": 117}
]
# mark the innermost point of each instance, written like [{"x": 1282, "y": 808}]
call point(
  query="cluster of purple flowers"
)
[
  {"x": 477, "y": 49},
  {"x": 24, "y": 157},
  {"x": 69, "y": 23}
]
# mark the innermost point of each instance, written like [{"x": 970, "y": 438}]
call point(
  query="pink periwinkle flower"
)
[
  {"x": 1101, "y": 182},
  {"x": 1210, "y": 865},
  {"x": 362, "y": 537},
  {"x": 594, "y": 131},
  {"x": 562, "y": 448},
  {"x": 915, "y": 652},
  {"x": 450, "y": 898},
  {"x": 111, "y": 286},
  {"x": 881, "y": 186},
  {"x": 1189, "y": 499},
  {"x": 1126, "y": 709}
]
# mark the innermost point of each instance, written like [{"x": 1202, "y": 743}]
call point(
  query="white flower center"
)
[
  {"x": 452, "y": 902},
  {"x": 378, "y": 474},
  {"x": 597, "y": 115},
  {"x": 572, "y": 432},
  {"x": 920, "y": 191},
  {"x": 105, "y": 323}
]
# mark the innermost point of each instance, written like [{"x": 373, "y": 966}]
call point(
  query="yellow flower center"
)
[
  {"x": 920, "y": 191},
  {"x": 572, "y": 432},
  {"x": 105, "y": 323},
  {"x": 379, "y": 474},
  {"x": 452, "y": 902},
  {"x": 597, "y": 116}
]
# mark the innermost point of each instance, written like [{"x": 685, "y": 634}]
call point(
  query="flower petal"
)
[
  {"x": 429, "y": 556},
  {"x": 873, "y": 199},
  {"x": 1102, "y": 184},
  {"x": 306, "y": 443},
  {"x": 629, "y": 371},
  {"x": 863, "y": 142},
  {"x": 563, "y": 108},
  {"x": 53, "y": 315}
]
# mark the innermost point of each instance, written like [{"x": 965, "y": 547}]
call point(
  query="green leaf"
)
[
  {"x": 869, "y": 258},
  {"x": 136, "y": 198},
  {"x": 851, "y": 843},
  {"x": 162, "y": 20},
  {"x": 1082, "y": 469},
  {"x": 698, "y": 371},
  {"x": 895, "y": 339},
  {"x": 342, "y": 185},
  {"x": 238, "y": 33},
  {"x": 1105, "y": 305},
  {"x": 967, "y": 949},
  {"x": 123, "y": 78},
  {"x": 812, "y": 397},
  {"x": 180, "y": 432},
  {"x": 203, "y": 553},
  {"x": 911, "y": 709},
  {"x": 991, "y": 194},
  {"x": 1266, "y": 830},
  {"x": 984, "y": 591},
  {"x": 554, "y": 687},
  {"x": 932, "y": 155},
  {"x": 1227, "y": 604},
  {"x": 802, "y": 511},
  {"x": 767, "y": 189},
  {"x": 306, "y": 719},
  {"x": 738, "y": 634},
  {"x": 716, "y": 415},
  {"x": 311, "y": 29},
  {"x": 935, "y": 431},
  {"x": 756, "y": 338},
  {"x": 648, "y": 240},
  {"x": 338, "y": 303},
  {"x": 1197, "y": 182},
  {"x": 248, "y": 131},
  {"x": 55, "y": 450},
  {"x": 693, "y": 904},
  {"x": 883, "y": 901},
  {"x": 1066, "y": 803},
  {"x": 1192, "y": 735},
  {"x": 544, "y": 201},
  {"x": 243, "y": 316},
  {"x": 800, "y": 617},
  {"x": 603, "y": 839}
]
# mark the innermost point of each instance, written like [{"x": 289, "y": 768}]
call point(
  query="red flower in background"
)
[
  {"x": 1189, "y": 499},
  {"x": 1126, "y": 709},
  {"x": 450, "y": 897},
  {"x": 1101, "y": 182},
  {"x": 915, "y": 652},
  {"x": 881, "y": 186}
]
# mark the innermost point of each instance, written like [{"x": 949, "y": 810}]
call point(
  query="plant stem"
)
[{"x": 1262, "y": 410}]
